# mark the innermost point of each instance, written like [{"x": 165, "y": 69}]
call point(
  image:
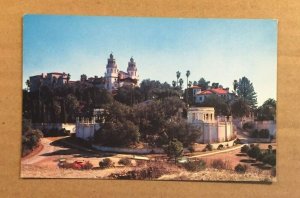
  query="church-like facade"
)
[{"x": 114, "y": 78}]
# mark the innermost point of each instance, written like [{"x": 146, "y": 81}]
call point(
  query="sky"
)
[{"x": 219, "y": 50}]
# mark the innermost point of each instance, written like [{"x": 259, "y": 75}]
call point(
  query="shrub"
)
[
  {"x": 237, "y": 141},
  {"x": 264, "y": 133},
  {"x": 269, "y": 158},
  {"x": 248, "y": 125},
  {"x": 87, "y": 166},
  {"x": 220, "y": 164},
  {"x": 191, "y": 149},
  {"x": 106, "y": 163},
  {"x": 195, "y": 166},
  {"x": 245, "y": 149},
  {"x": 125, "y": 162},
  {"x": 254, "y": 151},
  {"x": 254, "y": 134},
  {"x": 240, "y": 168},
  {"x": 209, "y": 147},
  {"x": 220, "y": 147}
]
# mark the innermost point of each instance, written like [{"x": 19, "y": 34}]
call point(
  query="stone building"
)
[{"x": 215, "y": 129}]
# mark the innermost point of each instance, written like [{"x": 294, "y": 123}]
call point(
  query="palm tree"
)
[
  {"x": 180, "y": 83},
  {"x": 174, "y": 83},
  {"x": 68, "y": 77},
  {"x": 178, "y": 76},
  {"x": 188, "y": 73},
  {"x": 28, "y": 84}
]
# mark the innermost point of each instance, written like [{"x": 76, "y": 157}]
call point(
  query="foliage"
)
[
  {"x": 254, "y": 151},
  {"x": 263, "y": 133},
  {"x": 118, "y": 133},
  {"x": 267, "y": 111},
  {"x": 208, "y": 147},
  {"x": 30, "y": 138},
  {"x": 245, "y": 149},
  {"x": 248, "y": 125},
  {"x": 203, "y": 83},
  {"x": 174, "y": 149},
  {"x": 195, "y": 166},
  {"x": 240, "y": 108},
  {"x": 106, "y": 163},
  {"x": 240, "y": 168},
  {"x": 267, "y": 157},
  {"x": 220, "y": 147},
  {"x": 124, "y": 161},
  {"x": 219, "y": 104},
  {"x": 245, "y": 91}
]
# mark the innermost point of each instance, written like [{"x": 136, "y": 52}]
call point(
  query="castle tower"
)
[
  {"x": 111, "y": 75},
  {"x": 132, "y": 70}
]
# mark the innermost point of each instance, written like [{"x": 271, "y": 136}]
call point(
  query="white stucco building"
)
[
  {"x": 215, "y": 129},
  {"x": 86, "y": 128}
]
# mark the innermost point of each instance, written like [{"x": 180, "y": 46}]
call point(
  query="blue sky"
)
[{"x": 217, "y": 49}]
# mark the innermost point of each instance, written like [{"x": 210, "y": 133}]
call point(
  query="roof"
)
[
  {"x": 195, "y": 87},
  {"x": 205, "y": 92},
  {"x": 219, "y": 91}
]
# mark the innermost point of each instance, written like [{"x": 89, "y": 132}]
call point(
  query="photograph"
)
[{"x": 149, "y": 98}]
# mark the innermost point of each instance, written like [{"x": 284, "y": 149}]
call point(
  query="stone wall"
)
[{"x": 68, "y": 126}]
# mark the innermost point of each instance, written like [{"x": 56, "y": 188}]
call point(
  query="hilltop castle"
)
[{"x": 112, "y": 80}]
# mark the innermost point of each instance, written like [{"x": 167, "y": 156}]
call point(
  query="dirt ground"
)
[{"x": 44, "y": 164}]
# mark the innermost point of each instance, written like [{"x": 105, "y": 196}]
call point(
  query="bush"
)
[
  {"x": 191, "y": 149},
  {"x": 245, "y": 149},
  {"x": 209, "y": 147},
  {"x": 264, "y": 133},
  {"x": 254, "y": 151},
  {"x": 240, "y": 168},
  {"x": 237, "y": 141},
  {"x": 195, "y": 166},
  {"x": 87, "y": 166},
  {"x": 106, "y": 163},
  {"x": 220, "y": 147},
  {"x": 125, "y": 162},
  {"x": 269, "y": 158},
  {"x": 220, "y": 164},
  {"x": 248, "y": 125}
]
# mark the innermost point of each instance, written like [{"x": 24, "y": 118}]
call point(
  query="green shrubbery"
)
[
  {"x": 106, "y": 163},
  {"x": 125, "y": 162},
  {"x": 208, "y": 147},
  {"x": 30, "y": 138},
  {"x": 240, "y": 168},
  {"x": 248, "y": 126},
  {"x": 254, "y": 151},
  {"x": 195, "y": 166},
  {"x": 263, "y": 133},
  {"x": 245, "y": 149}
]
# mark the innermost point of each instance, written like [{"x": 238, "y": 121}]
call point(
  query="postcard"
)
[{"x": 149, "y": 98}]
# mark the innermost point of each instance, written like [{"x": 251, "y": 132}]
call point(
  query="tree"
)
[
  {"x": 118, "y": 133},
  {"x": 221, "y": 107},
  {"x": 267, "y": 111},
  {"x": 177, "y": 76},
  {"x": 203, "y": 83},
  {"x": 188, "y": 73},
  {"x": 28, "y": 84},
  {"x": 174, "y": 149},
  {"x": 245, "y": 91},
  {"x": 235, "y": 85},
  {"x": 174, "y": 83},
  {"x": 240, "y": 108},
  {"x": 68, "y": 77},
  {"x": 180, "y": 83},
  {"x": 215, "y": 85}
]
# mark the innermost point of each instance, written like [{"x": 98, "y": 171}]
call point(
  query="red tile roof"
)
[
  {"x": 219, "y": 91},
  {"x": 205, "y": 92}
]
